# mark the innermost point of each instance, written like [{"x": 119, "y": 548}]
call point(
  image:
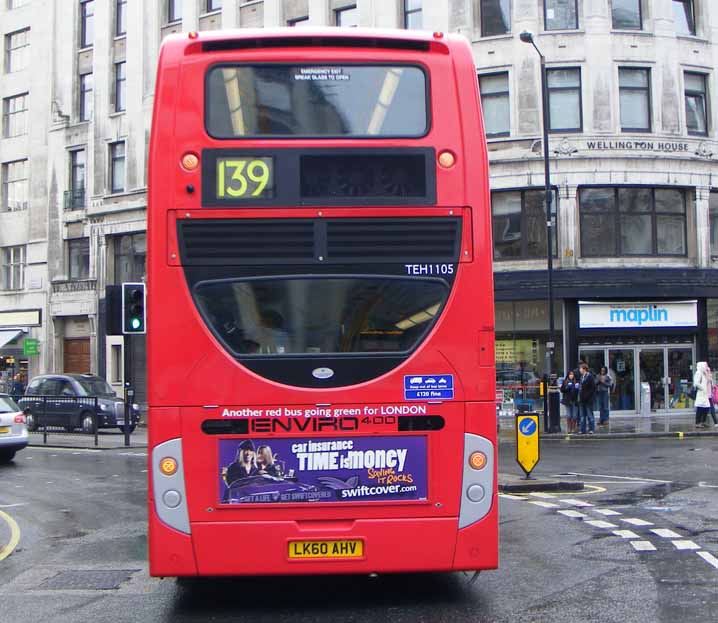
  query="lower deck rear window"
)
[{"x": 327, "y": 315}]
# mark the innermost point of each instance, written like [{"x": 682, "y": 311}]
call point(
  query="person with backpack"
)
[{"x": 586, "y": 394}]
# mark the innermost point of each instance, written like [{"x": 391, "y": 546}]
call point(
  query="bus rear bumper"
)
[{"x": 388, "y": 546}]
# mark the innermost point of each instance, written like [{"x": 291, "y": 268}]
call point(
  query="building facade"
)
[{"x": 633, "y": 148}]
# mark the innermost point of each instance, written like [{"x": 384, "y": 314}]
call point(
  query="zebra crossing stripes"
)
[{"x": 643, "y": 546}]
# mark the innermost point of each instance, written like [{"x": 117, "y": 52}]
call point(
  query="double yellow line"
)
[{"x": 6, "y": 550}]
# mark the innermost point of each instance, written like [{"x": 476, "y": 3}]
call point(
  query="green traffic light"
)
[{"x": 135, "y": 323}]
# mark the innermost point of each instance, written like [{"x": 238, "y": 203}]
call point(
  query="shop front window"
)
[{"x": 521, "y": 336}]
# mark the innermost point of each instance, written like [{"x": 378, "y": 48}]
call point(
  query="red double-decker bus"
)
[{"x": 320, "y": 306}]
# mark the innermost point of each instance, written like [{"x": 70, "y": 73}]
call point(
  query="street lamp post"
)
[{"x": 527, "y": 37}]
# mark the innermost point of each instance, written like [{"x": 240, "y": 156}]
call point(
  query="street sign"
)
[
  {"x": 30, "y": 346},
  {"x": 527, "y": 442}
]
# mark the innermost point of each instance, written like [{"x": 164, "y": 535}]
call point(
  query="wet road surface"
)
[{"x": 640, "y": 544}]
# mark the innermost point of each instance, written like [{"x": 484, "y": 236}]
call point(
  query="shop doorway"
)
[{"x": 666, "y": 369}]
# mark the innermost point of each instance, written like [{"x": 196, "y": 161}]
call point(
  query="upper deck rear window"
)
[{"x": 316, "y": 101}]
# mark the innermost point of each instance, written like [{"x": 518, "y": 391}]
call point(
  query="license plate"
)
[
  {"x": 4, "y": 429},
  {"x": 326, "y": 549}
]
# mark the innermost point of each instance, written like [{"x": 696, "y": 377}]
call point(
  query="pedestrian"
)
[
  {"x": 701, "y": 383},
  {"x": 569, "y": 389},
  {"x": 586, "y": 395},
  {"x": 17, "y": 388},
  {"x": 712, "y": 395},
  {"x": 604, "y": 387}
]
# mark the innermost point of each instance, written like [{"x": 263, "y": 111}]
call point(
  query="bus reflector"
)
[
  {"x": 447, "y": 159},
  {"x": 477, "y": 460},
  {"x": 168, "y": 466},
  {"x": 193, "y": 34},
  {"x": 190, "y": 161},
  {"x": 438, "y": 35}
]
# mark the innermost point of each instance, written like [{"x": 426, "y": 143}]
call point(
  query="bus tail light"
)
[
  {"x": 447, "y": 159},
  {"x": 19, "y": 419},
  {"x": 477, "y": 460},
  {"x": 168, "y": 486},
  {"x": 190, "y": 161},
  {"x": 477, "y": 485}
]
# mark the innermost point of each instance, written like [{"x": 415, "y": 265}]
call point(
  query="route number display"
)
[{"x": 245, "y": 178}]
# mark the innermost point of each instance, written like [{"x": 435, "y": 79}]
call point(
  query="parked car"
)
[
  {"x": 13, "y": 432},
  {"x": 74, "y": 401}
]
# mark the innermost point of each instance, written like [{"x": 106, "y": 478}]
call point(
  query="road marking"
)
[
  {"x": 607, "y": 512},
  {"x": 626, "y": 534},
  {"x": 636, "y": 522},
  {"x": 544, "y": 504},
  {"x": 573, "y": 514},
  {"x": 13, "y": 505},
  {"x": 621, "y": 477},
  {"x": 578, "y": 503},
  {"x": 643, "y": 546},
  {"x": 508, "y": 496},
  {"x": 709, "y": 558},
  {"x": 542, "y": 494},
  {"x": 685, "y": 545},
  {"x": 705, "y": 484},
  {"x": 14, "y": 536},
  {"x": 599, "y": 523},
  {"x": 666, "y": 533}
]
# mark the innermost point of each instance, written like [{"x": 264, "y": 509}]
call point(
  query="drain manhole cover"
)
[{"x": 100, "y": 580}]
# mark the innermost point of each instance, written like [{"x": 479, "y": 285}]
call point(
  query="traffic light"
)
[{"x": 134, "y": 316}]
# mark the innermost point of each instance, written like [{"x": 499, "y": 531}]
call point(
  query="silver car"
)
[{"x": 13, "y": 432}]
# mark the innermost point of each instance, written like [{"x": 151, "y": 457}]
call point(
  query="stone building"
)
[{"x": 632, "y": 129}]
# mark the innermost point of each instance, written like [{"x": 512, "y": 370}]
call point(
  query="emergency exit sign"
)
[{"x": 30, "y": 346}]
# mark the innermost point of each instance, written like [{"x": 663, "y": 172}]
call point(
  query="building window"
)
[
  {"x": 15, "y": 186},
  {"x": 561, "y": 14},
  {"x": 16, "y": 4},
  {"x": 75, "y": 197},
  {"x": 635, "y": 99},
  {"x": 696, "y": 107},
  {"x": 13, "y": 268},
  {"x": 17, "y": 50},
  {"x": 174, "y": 11},
  {"x": 130, "y": 257},
  {"x": 117, "y": 167},
  {"x": 298, "y": 22},
  {"x": 623, "y": 221},
  {"x": 14, "y": 116},
  {"x": 78, "y": 252},
  {"x": 120, "y": 18},
  {"x": 87, "y": 23},
  {"x": 564, "y": 97},
  {"x": 412, "y": 15},
  {"x": 120, "y": 86},
  {"x": 347, "y": 17},
  {"x": 713, "y": 209},
  {"x": 684, "y": 17},
  {"x": 86, "y": 100},
  {"x": 519, "y": 224},
  {"x": 495, "y": 103},
  {"x": 626, "y": 14},
  {"x": 213, "y": 5},
  {"x": 495, "y": 17}
]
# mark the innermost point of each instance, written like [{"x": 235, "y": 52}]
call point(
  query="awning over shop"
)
[{"x": 8, "y": 336}]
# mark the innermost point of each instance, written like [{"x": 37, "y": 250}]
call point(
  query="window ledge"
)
[
  {"x": 504, "y": 37},
  {"x": 209, "y": 13},
  {"x": 629, "y": 31},
  {"x": 567, "y": 31},
  {"x": 693, "y": 39},
  {"x": 87, "y": 48},
  {"x": 120, "y": 37},
  {"x": 117, "y": 113}
]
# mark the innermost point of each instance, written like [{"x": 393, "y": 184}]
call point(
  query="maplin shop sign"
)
[{"x": 599, "y": 315}]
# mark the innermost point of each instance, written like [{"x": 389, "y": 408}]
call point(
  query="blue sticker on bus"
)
[
  {"x": 527, "y": 427},
  {"x": 429, "y": 387}
]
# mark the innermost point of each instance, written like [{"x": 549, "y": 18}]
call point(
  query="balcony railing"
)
[{"x": 75, "y": 199}]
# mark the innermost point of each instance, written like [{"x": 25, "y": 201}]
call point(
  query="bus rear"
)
[{"x": 320, "y": 307}]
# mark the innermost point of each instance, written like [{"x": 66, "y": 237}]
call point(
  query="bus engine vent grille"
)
[
  {"x": 246, "y": 241},
  {"x": 388, "y": 240},
  {"x": 222, "y": 242}
]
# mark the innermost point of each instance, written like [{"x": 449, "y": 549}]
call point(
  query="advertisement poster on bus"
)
[{"x": 347, "y": 469}]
